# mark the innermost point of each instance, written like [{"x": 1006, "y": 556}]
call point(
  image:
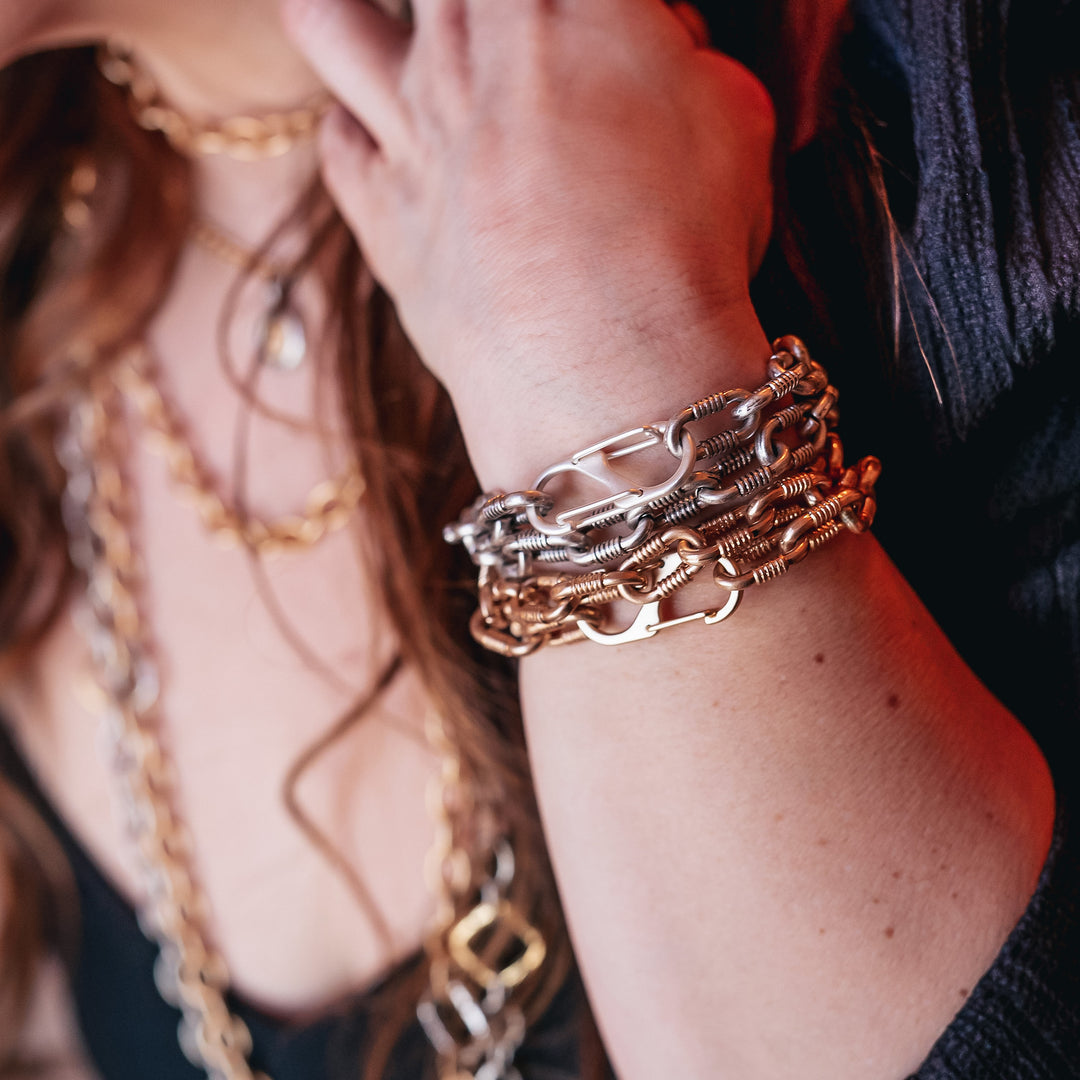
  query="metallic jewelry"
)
[
  {"x": 75, "y": 195},
  {"x": 468, "y": 1013},
  {"x": 189, "y": 973},
  {"x": 246, "y": 138},
  {"x": 226, "y": 247},
  {"x": 477, "y": 960},
  {"x": 281, "y": 337},
  {"x": 743, "y": 503},
  {"x": 329, "y": 505}
]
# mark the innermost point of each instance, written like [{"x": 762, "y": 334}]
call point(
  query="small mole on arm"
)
[
  {"x": 821, "y": 930},
  {"x": 964, "y": 991},
  {"x": 896, "y": 875},
  {"x": 893, "y": 701},
  {"x": 875, "y": 900},
  {"x": 956, "y": 896},
  {"x": 819, "y": 658},
  {"x": 778, "y": 817},
  {"x": 890, "y": 931},
  {"x": 823, "y": 841}
]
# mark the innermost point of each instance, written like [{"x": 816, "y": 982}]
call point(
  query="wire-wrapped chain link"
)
[
  {"x": 189, "y": 972},
  {"x": 744, "y": 503},
  {"x": 479, "y": 959}
]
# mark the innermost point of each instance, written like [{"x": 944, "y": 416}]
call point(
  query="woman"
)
[{"x": 791, "y": 843}]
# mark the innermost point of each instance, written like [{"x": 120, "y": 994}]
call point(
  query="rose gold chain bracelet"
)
[{"x": 751, "y": 483}]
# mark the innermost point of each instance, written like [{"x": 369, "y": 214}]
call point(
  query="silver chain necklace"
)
[{"x": 468, "y": 1014}]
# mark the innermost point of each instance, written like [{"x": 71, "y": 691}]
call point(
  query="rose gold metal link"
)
[
  {"x": 783, "y": 503},
  {"x": 586, "y": 584},
  {"x": 767, "y": 571},
  {"x": 820, "y": 537}
]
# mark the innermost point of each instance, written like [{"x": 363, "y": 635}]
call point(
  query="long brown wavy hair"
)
[{"x": 54, "y": 110}]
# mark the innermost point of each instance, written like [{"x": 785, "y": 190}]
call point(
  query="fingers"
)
[
  {"x": 350, "y": 158},
  {"x": 359, "y": 52}
]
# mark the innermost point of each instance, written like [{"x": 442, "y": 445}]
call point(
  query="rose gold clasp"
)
[{"x": 648, "y": 621}]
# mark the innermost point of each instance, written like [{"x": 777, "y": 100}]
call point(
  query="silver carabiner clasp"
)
[{"x": 595, "y": 462}]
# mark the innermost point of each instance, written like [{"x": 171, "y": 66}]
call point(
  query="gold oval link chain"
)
[
  {"x": 246, "y": 138},
  {"x": 328, "y": 506},
  {"x": 468, "y": 1013}
]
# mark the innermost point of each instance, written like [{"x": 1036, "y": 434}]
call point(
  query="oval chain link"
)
[
  {"x": 99, "y": 514},
  {"x": 245, "y": 138},
  {"x": 468, "y": 1014},
  {"x": 328, "y": 507},
  {"x": 774, "y": 488}
]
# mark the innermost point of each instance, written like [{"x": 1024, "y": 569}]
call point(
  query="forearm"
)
[
  {"x": 788, "y": 843},
  {"x": 566, "y": 203}
]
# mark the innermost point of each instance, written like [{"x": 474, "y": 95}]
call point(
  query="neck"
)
[
  {"x": 227, "y": 58},
  {"x": 211, "y": 60},
  {"x": 224, "y": 58}
]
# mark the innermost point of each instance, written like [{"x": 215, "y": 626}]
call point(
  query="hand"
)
[{"x": 556, "y": 195}]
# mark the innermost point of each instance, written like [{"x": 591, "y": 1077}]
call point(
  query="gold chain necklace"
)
[
  {"x": 228, "y": 249},
  {"x": 246, "y": 138},
  {"x": 469, "y": 1012},
  {"x": 328, "y": 507},
  {"x": 189, "y": 972}
]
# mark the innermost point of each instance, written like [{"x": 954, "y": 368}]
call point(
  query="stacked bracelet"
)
[{"x": 744, "y": 503}]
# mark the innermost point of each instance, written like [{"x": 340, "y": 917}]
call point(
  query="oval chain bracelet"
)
[{"x": 741, "y": 504}]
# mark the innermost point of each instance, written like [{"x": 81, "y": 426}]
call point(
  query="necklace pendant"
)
[{"x": 282, "y": 341}]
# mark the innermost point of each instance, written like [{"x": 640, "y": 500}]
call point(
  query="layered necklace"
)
[{"x": 482, "y": 948}]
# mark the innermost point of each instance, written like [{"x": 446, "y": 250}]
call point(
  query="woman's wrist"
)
[{"x": 551, "y": 399}]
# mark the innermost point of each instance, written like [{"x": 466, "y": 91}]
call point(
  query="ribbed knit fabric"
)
[
  {"x": 994, "y": 90},
  {"x": 981, "y": 124},
  {"x": 975, "y": 109}
]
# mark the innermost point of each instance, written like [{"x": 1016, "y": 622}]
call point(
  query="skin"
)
[
  {"x": 770, "y": 863},
  {"x": 786, "y": 845},
  {"x": 242, "y": 705}
]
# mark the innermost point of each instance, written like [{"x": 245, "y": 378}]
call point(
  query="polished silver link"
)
[
  {"x": 98, "y": 510},
  {"x": 773, "y": 490},
  {"x": 467, "y": 1013},
  {"x": 595, "y": 461}
]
